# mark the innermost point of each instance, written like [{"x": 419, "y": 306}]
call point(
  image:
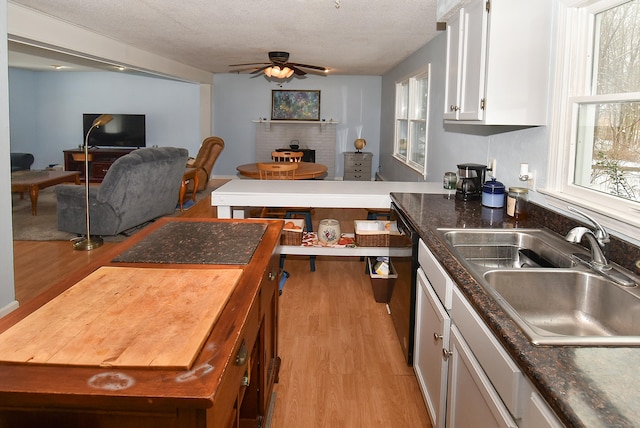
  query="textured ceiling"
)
[{"x": 365, "y": 37}]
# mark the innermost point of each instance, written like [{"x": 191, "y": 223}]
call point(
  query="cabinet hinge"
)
[
  {"x": 488, "y": 6},
  {"x": 482, "y": 104}
]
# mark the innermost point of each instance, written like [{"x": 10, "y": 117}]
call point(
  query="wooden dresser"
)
[
  {"x": 154, "y": 347},
  {"x": 357, "y": 166}
]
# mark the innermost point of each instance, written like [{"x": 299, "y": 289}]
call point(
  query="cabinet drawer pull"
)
[
  {"x": 446, "y": 354},
  {"x": 437, "y": 336},
  {"x": 241, "y": 358}
]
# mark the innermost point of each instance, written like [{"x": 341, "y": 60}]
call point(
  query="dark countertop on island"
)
[{"x": 585, "y": 386}]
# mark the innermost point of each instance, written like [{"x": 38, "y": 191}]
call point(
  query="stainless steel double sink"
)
[{"x": 554, "y": 300}]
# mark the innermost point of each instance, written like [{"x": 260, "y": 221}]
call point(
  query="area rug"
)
[{"x": 44, "y": 226}]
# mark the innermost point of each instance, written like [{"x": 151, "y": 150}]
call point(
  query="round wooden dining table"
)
[{"x": 305, "y": 171}]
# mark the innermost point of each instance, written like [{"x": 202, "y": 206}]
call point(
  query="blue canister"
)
[{"x": 493, "y": 194}]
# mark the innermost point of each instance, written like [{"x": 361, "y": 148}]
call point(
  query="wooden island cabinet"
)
[{"x": 130, "y": 376}]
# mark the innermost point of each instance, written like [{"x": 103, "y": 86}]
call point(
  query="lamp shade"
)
[
  {"x": 277, "y": 72},
  {"x": 101, "y": 120}
]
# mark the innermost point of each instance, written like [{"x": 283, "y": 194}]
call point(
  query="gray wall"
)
[
  {"x": 238, "y": 99},
  {"x": 7, "y": 295},
  {"x": 449, "y": 145},
  {"x": 46, "y": 109}
]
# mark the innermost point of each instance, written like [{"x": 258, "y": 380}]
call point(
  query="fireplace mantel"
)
[{"x": 322, "y": 123}]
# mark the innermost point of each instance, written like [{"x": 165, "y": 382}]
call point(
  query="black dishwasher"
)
[{"x": 404, "y": 258}]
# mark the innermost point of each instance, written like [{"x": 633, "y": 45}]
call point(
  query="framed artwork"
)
[{"x": 295, "y": 105}]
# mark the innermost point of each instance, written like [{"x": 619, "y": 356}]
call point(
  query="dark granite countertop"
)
[
  {"x": 586, "y": 386},
  {"x": 224, "y": 243}
]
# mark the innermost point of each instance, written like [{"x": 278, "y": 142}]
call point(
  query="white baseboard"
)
[{"x": 9, "y": 308}]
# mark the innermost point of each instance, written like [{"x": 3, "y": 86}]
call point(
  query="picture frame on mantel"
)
[{"x": 295, "y": 105}]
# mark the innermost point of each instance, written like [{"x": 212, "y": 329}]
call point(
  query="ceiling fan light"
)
[
  {"x": 268, "y": 71},
  {"x": 289, "y": 73}
]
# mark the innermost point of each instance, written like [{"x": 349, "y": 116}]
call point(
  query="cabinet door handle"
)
[
  {"x": 271, "y": 276},
  {"x": 446, "y": 354},
  {"x": 241, "y": 357},
  {"x": 437, "y": 336}
]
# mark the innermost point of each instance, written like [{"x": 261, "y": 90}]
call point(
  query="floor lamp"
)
[{"x": 87, "y": 243}]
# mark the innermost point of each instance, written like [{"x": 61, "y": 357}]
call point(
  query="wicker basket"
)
[
  {"x": 292, "y": 236},
  {"x": 371, "y": 233}
]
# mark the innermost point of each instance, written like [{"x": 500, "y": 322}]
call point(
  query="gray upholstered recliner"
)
[{"x": 137, "y": 188}]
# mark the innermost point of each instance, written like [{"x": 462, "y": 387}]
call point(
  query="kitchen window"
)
[
  {"x": 412, "y": 111},
  {"x": 594, "y": 156}
]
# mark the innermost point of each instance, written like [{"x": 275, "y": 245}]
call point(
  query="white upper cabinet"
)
[{"x": 498, "y": 63}]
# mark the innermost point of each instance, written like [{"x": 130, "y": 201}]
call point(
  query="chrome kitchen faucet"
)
[{"x": 597, "y": 240}]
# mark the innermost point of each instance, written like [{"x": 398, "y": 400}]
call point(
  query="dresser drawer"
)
[{"x": 357, "y": 176}]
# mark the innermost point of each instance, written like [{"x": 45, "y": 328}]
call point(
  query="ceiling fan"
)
[{"x": 279, "y": 67}]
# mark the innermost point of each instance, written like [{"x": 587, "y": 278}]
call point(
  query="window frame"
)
[
  {"x": 573, "y": 72},
  {"x": 405, "y": 112}
]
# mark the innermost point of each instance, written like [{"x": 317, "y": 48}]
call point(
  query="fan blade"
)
[
  {"x": 313, "y": 67},
  {"x": 296, "y": 70},
  {"x": 250, "y": 63},
  {"x": 240, "y": 70}
]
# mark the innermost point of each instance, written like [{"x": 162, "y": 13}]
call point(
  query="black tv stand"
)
[{"x": 100, "y": 160}]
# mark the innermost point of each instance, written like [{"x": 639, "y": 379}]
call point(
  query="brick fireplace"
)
[{"x": 318, "y": 136}]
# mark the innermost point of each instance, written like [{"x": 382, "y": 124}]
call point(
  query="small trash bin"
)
[{"x": 382, "y": 284}]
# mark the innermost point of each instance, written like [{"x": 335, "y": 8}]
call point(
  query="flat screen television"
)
[{"x": 125, "y": 130}]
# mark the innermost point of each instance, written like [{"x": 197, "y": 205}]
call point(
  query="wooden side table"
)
[{"x": 189, "y": 174}]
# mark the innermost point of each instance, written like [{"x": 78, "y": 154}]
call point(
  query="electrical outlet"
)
[
  {"x": 531, "y": 182},
  {"x": 492, "y": 167}
]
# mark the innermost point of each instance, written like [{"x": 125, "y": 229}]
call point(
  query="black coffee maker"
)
[{"x": 470, "y": 181}]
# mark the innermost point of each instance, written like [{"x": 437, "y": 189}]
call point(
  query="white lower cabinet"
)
[
  {"x": 472, "y": 401},
  {"x": 467, "y": 378},
  {"x": 539, "y": 415},
  {"x": 432, "y": 338}
]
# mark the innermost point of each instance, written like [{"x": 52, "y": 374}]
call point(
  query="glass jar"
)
[
  {"x": 449, "y": 180},
  {"x": 517, "y": 203}
]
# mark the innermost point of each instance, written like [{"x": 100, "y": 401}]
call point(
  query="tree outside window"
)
[{"x": 607, "y": 157}]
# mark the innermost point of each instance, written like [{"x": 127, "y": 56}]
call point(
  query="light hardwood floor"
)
[{"x": 342, "y": 365}]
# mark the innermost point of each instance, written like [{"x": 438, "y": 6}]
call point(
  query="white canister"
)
[{"x": 329, "y": 231}]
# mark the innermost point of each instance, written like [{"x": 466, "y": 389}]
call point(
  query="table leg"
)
[
  {"x": 196, "y": 183},
  {"x": 183, "y": 189},
  {"x": 224, "y": 211},
  {"x": 33, "y": 194}
]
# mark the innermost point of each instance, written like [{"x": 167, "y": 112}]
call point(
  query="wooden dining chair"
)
[
  {"x": 277, "y": 170},
  {"x": 284, "y": 171},
  {"x": 287, "y": 156}
]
